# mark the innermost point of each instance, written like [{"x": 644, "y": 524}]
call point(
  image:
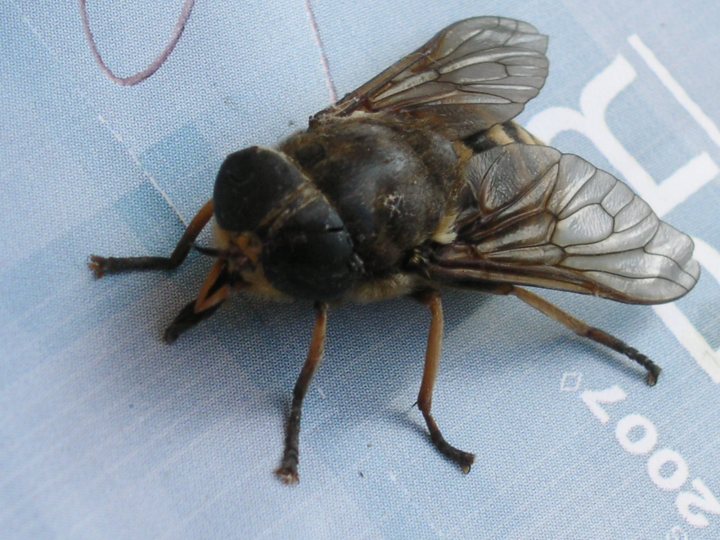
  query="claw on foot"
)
[
  {"x": 467, "y": 462},
  {"x": 98, "y": 265},
  {"x": 287, "y": 475},
  {"x": 463, "y": 459},
  {"x": 652, "y": 375}
]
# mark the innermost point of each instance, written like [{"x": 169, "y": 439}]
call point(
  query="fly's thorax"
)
[
  {"x": 282, "y": 236},
  {"x": 388, "y": 182}
]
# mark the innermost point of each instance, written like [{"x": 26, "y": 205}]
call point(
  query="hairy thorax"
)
[{"x": 389, "y": 184}]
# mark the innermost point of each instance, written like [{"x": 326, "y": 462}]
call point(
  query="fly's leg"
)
[
  {"x": 111, "y": 265},
  {"x": 432, "y": 365},
  {"x": 186, "y": 319},
  {"x": 215, "y": 290},
  {"x": 288, "y": 470},
  {"x": 595, "y": 334}
]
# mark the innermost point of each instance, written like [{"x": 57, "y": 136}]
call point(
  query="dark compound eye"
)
[
  {"x": 250, "y": 183},
  {"x": 311, "y": 255},
  {"x": 308, "y": 253}
]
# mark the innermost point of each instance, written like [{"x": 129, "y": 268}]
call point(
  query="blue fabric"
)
[{"x": 106, "y": 432}]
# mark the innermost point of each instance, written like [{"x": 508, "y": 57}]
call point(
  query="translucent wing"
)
[
  {"x": 473, "y": 74},
  {"x": 533, "y": 216}
]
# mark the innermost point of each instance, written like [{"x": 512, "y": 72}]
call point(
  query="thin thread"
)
[
  {"x": 147, "y": 175},
  {"x": 102, "y": 120},
  {"x": 154, "y": 65},
  {"x": 323, "y": 56}
]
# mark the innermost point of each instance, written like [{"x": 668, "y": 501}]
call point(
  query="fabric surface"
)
[{"x": 106, "y": 432}]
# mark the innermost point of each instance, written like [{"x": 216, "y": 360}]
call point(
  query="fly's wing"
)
[
  {"x": 472, "y": 75},
  {"x": 530, "y": 215}
]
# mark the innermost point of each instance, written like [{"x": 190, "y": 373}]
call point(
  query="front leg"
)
[
  {"x": 185, "y": 320},
  {"x": 287, "y": 472},
  {"x": 213, "y": 293},
  {"x": 111, "y": 265}
]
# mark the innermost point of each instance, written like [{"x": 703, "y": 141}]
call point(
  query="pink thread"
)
[
  {"x": 155, "y": 65},
  {"x": 323, "y": 57}
]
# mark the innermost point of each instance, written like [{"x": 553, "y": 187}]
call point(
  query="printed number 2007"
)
[{"x": 667, "y": 469}]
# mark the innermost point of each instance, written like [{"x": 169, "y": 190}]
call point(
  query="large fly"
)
[{"x": 420, "y": 180}]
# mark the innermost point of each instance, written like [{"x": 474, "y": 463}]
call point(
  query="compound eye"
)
[
  {"x": 312, "y": 256},
  {"x": 249, "y": 184}
]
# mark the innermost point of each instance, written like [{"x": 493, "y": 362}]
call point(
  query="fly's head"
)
[{"x": 279, "y": 235}]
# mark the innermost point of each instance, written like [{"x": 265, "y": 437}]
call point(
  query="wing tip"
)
[{"x": 505, "y": 22}]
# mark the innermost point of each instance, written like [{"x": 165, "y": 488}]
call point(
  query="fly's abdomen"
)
[{"x": 500, "y": 135}]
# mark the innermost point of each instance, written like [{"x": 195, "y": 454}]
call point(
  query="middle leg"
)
[{"x": 432, "y": 366}]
